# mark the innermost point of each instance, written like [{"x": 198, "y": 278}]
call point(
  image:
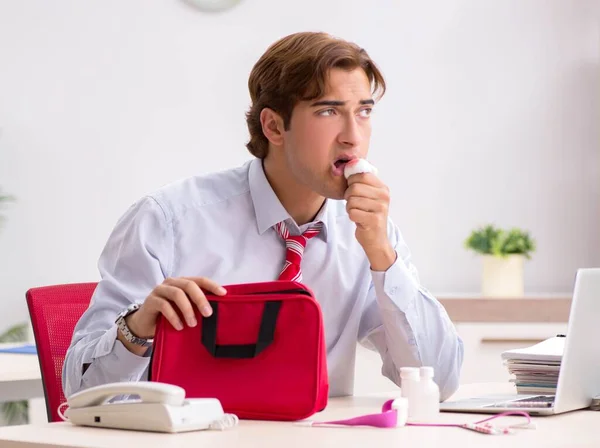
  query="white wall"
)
[{"x": 491, "y": 115}]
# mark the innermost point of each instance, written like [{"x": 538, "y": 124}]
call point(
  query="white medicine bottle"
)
[
  {"x": 429, "y": 396},
  {"x": 409, "y": 389}
]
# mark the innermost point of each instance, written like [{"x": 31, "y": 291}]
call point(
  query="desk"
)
[
  {"x": 575, "y": 429},
  {"x": 20, "y": 377}
]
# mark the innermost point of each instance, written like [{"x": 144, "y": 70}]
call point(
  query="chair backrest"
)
[{"x": 54, "y": 312}]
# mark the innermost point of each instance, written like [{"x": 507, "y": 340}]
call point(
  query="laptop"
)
[{"x": 579, "y": 374}]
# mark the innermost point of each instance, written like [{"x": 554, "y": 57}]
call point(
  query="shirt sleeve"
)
[
  {"x": 136, "y": 258},
  {"x": 408, "y": 326}
]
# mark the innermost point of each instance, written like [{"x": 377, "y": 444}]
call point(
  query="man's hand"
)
[
  {"x": 182, "y": 293},
  {"x": 368, "y": 200}
]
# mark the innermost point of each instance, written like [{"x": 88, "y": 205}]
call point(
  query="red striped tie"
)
[{"x": 294, "y": 248}]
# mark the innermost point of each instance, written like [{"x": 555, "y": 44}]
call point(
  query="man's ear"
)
[{"x": 272, "y": 126}]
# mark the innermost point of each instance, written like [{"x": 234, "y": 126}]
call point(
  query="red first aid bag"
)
[{"x": 261, "y": 353}]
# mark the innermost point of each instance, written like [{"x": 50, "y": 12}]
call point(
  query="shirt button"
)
[{"x": 393, "y": 290}]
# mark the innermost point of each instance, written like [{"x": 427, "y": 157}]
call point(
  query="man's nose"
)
[{"x": 351, "y": 133}]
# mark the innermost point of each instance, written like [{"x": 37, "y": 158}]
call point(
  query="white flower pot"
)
[{"x": 503, "y": 276}]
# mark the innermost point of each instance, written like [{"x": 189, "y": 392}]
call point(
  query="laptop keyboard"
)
[{"x": 540, "y": 401}]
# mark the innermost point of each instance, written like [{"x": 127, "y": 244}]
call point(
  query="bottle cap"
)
[{"x": 409, "y": 373}]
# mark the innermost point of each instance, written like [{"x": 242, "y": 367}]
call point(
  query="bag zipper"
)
[{"x": 287, "y": 291}]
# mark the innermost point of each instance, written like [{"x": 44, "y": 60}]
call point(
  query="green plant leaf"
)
[
  {"x": 481, "y": 239},
  {"x": 16, "y": 333},
  {"x": 4, "y": 199},
  {"x": 15, "y": 412},
  {"x": 490, "y": 240},
  {"x": 518, "y": 242}
]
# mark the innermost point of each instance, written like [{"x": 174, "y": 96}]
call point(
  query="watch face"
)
[{"x": 212, "y": 5}]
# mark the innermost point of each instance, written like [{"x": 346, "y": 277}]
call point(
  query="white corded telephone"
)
[{"x": 161, "y": 407}]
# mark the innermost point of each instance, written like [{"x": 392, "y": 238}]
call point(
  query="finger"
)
[
  {"x": 194, "y": 293},
  {"x": 180, "y": 298},
  {"x": 208, "y": 284},
  {"x": 164, "y": 307},
  {"x": 360, "y": 217},
  {"x": 364, "y": 204},
  {"x": 361, "y": 190},
  {"x": 365, "y": 178},
  {"x": 366, "y": 191}
]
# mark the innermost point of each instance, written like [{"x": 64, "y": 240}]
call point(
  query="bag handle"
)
[{"x": 265, "y": 333}]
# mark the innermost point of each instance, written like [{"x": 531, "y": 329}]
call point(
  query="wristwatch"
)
[{"x": 127, "y": 333}]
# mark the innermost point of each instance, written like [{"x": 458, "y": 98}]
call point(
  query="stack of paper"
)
[{"x": 536, "y": 368}]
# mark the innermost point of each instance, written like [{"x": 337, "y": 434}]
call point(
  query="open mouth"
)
[{"x": 340, "y": 163}]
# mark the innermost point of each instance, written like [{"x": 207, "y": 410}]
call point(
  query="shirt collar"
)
[{"x": 269, "y": 210}]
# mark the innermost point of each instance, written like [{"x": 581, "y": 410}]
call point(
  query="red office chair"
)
[{"x": 54, "y": 311}]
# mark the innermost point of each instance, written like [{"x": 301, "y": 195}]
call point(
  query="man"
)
[{"x": 312, "y": 96}]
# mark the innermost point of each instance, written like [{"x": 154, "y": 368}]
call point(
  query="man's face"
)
[{"x": 327, "y": 132}]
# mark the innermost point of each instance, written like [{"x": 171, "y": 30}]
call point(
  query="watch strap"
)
[{"x": 126, "y": 331}]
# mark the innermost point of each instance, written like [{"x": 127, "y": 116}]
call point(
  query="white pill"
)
[{"x": 362, "y": 166}]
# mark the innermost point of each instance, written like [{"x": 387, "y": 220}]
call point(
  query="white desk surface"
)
[
  {"x": 20, "y": 377},
  {"x": 574, "y": 429}
]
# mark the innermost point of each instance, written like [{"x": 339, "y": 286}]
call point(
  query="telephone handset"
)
[
  {"x": 148, "y": 392},
  {"x": 161, "y": 407}
]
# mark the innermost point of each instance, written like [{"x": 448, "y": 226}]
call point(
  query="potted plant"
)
[
  {"x": 15, "y": 412},
  {"x": 3, "y": 199},
  {"x": 504, "y": 253}
]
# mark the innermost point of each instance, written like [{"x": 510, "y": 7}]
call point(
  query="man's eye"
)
[
  {"x": 366, "y": 112},
  {"x": 327, "y": 112}
]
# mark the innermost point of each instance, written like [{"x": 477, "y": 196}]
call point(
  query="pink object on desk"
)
[{"x": 388, "y": 418}]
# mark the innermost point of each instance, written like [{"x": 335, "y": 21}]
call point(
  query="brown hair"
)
[{"x": 295, "y": 69}]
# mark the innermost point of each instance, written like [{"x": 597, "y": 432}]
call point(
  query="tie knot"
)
[
  {"x": 313, "y": 230},
  {"x": 295, "y": 245}
]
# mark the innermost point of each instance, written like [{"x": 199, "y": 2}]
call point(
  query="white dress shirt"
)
[{"x": 220, "y": 226}]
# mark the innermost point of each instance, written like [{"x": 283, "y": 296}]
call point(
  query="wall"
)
[{"x": 491, "y": 115}]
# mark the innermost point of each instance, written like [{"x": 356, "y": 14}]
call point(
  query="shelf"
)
[{"x": 525, "y": 309}]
